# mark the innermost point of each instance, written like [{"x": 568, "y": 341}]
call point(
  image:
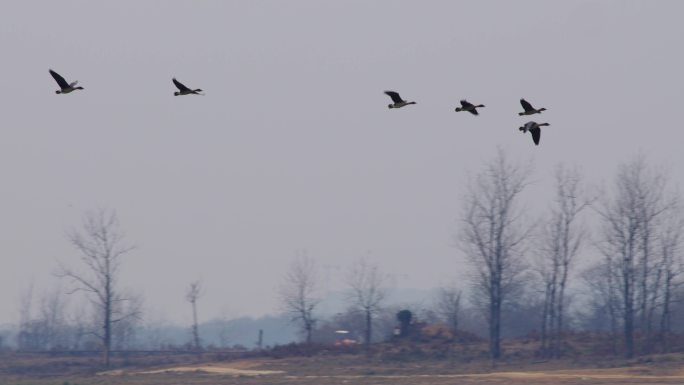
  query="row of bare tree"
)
[
  {"x": 51, "y": 321},
  {"x": 635, "y": 239},
  {"x": 640, "y": 239},
  {"x": 639, "y": 226},
  {"x": 504, "y": 246},
  {"x": 300, "y": 295}
]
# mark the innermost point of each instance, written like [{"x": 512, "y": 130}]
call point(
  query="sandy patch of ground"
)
[
  {"x": 237, "y": 368},
  {"x": 115, "y": 372},
  {"x": 579, "y": 374},
  {"x": 252, "y": 368},
  {"x": 633, "y": 373},
  {"x": 224, "y": 370}
]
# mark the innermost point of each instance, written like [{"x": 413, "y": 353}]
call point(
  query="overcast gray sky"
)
[{"x": 293, "y": 145}]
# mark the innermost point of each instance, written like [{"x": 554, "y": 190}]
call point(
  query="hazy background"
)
[{"x": 293, "y": 146}]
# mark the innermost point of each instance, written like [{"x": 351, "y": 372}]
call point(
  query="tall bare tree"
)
[
  {"x": 299, "y": 292},
  {"x": 492, "y": 236},
  {"x": 672, "y": 265},
  {"x": 631, "y": 218},
  {"x": 192, "y": 294},
  {"x": 100, "y": 243},
  {"x": 367, "y": 293},
  {"x": 561, "y": 240},
  {"x": 549, "y": 276}
]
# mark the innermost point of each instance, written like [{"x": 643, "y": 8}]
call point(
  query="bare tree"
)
[
  {"x": 298, "y": 293},
  {"x": 52, "y": 319},
  {"x": 561, "y": 239},
  {"x": 604, "y": 298},
  {"x": 124, "y": 330},
  {"x": 42, "y": 323},
  {"x": 25, "y": 309},
  {"x": 549, "y": 276},
  {"x": 367, "y": 294},
  {"x": 449, "y": 306},
  {"x": 101, "y": 245},
  {"x": 630, "y": 222},
  {"x": 492, "y": 236},
  {"x": 192, "y": 294},
  {"x": 671, "y": 243}
]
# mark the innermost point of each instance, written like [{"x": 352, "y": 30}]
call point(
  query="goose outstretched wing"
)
[
  {"x": 181, "y": 87},
  {"x": 469, "y": 107},
  {"x": 394, "y": 95},
  {"x": 59, "y": 79},
  {"x": 526, "y": 105},
  {"x": 536, "y": 134}
]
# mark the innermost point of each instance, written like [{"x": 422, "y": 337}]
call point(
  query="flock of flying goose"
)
[
  {"x": 533, "y": 127},
  {"x": 397, "y": 102},
  {"x": 65, "y": 87}
]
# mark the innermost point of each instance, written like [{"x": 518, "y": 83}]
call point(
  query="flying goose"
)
[
  {"x": 467, "y": 106},
  {"x": 65, "y": 87},
  {"x": 398, "y": 101},
  {"x": 529, "y": 110},
  {"x": 534, "y": 129},
  {"x": 183, "y": 90}
]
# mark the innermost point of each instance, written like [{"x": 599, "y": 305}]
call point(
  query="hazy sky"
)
[{"x": 293, "y": 146}]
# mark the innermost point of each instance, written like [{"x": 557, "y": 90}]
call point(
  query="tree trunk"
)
[
  {"x": 643, "y": 284},
  {"x": 309, "y": 329},
  {"x": 107, "y": 340},
  {"x": 559, "y": 322},
  {"x": 195, "y": 327},
  {"x": 665, "y": 317},
  {"x": 369, "y": 325},
  {"x": 612, "y": 309},
  {"x": 629, "y": 319},
  {"x": 545, "y": 315},
  {"x": 552, "y": 311},
  {"x": 495, "y": 320},
  {"x": 559, "y": 314}
]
